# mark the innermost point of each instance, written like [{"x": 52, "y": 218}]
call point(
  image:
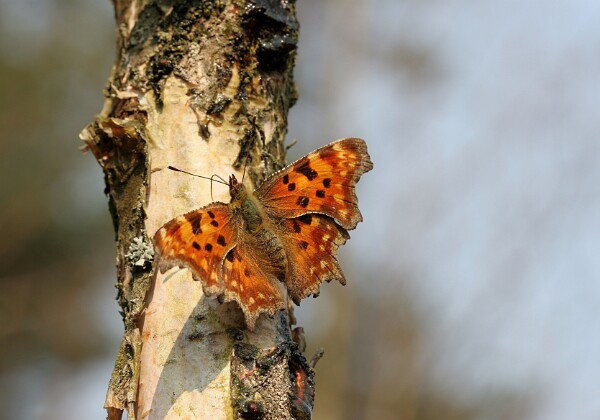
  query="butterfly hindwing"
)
[
  {"x": 314, "y": 238},
  {"x": 321, "y": 182},
  {"x": 200, "y": 239},
  {"x": 249, "y": 284}
]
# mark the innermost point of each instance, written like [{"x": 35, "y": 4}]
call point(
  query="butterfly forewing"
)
[
  {"x": 321, "y": 182},
  {"x": 200, "y": 239}
]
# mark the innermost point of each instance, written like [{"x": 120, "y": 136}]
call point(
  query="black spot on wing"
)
[
  {"x": 305, "y": 169},
  {"x": 286, "y": 178},
  {"x": 194, "y": 219},
  {"x": 296, "y": 227},
  {"x": 327, "y": 182},
  {"x": 302, "y": 201},
  {"x": 208, "y": 247},
  {"x": 197, "y": 246},
  {"x": 320, "y": 193},
  {"x": 292, "y": 186},
  {"x": 211, "y": 214},
  {"x": 221, "y": 240},
  {"x": 304, "y": 244},
  {"x": 214, "y": 223},
  {"x": 229, "y": 256},
  {"x": 306, "y": 219}
]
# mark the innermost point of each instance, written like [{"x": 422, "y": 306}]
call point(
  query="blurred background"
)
[{"x": 473, "y": 287}]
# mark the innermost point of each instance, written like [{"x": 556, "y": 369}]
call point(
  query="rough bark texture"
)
[{"x": 204, "y": 86}]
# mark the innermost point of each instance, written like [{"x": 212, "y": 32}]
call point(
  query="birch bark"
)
[{"x": 204, "y": 86}]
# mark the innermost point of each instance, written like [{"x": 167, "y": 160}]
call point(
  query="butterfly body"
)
[
  {"x": 281, "y": 237},
  {"x": 252, "y": 223},
  {"x": 245, "y": 206}
]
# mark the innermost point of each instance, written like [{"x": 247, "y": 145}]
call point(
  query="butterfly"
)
[{"x": 281, "y": 237}]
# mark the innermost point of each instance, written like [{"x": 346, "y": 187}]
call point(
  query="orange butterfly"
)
[{"x": 286, "y": 232}]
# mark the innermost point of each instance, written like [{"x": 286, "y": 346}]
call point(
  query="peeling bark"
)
[{"x": 204, "y": 86}]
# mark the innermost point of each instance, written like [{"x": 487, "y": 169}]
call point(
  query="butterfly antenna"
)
[
  {"x": 244, "y": 173},
  {"x": 215, "y": 177},
  {"x": 219, "y": 179}
]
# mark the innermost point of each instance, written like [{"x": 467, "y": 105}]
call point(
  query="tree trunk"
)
[{"x": 204, "y": 86}]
